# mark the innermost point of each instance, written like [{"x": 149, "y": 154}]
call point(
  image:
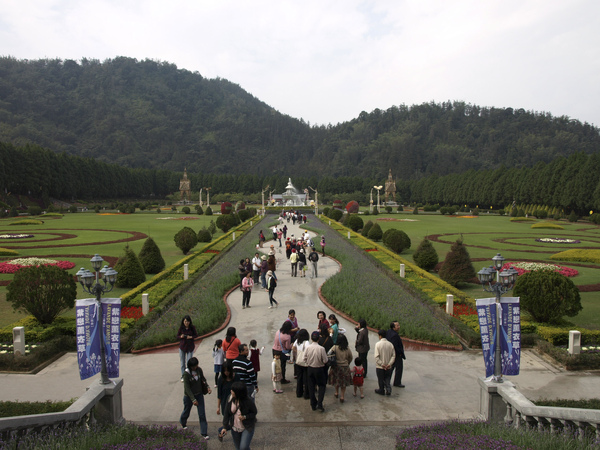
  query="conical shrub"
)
[
  {"x": 425, "y": 256},
  {"x": 375, "y": 233},
  {"x": 150, "y": 257},
  {"x": 457, "y": 267},
  {"x": 131, "y": 271}
]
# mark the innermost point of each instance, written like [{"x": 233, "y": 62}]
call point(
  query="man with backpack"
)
[{"x": 313, "y": 257}]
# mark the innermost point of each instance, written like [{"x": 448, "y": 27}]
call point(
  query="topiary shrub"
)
[
  {"x": 352, "y": 207},
  {"x": 416, "y": 210},
  {"x": 224, "y": 223},
  {"x": 337, "y": 204},
  {"x": 204, "y": 235},
  {"x": 573, "y": 217},
  {"x": 240, "y": 206},
  {"x": 186, "y": 210},
  {"x": 388, "y": 209},
  {"x": 520, "y": 213},
  {"x": 158, "y": 211},
  {"x": 186, "y": 239},
  {"x": 150, "y": 257},
  {"x": 208, "y": 211},
  {"x": 244, "y": 214},
  {"x": 354, "y": 222},
  {"x": 475, "y": 211},
  {"x": 540, "y": 213},
  {"x": 199, "y": 210},
  {"x": 325, "y": 211},
  {"x": 513, "y": 212},
  {"x": 400, "y": 208},
  {"x": 73, "y": 209},
  {"x": 366, "y": 228},
  {"x": 547, "y": 296},
  {"x": 457, "y": 267},
  {"x": 131, "y": 272},
  {"x": 396, "y": 240},
  {"x": 425, "y": 255},
  {"x": 335, "y": 214},
  {"x": 42, "y": 291},
  {"x": 212, "y": 228},
  {"x": 226, "y": 208},
  {"x": 375, "y": 233}
]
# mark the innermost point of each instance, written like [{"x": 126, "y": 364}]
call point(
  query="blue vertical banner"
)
[
  {"x": 486, "y": 312},
  {"x": 111, "y": 315},
  {"x": 510, "y": 339},
  {"x": 87, "y": 336}
]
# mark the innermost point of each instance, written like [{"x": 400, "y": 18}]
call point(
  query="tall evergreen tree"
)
[
  {"x": 457, "y": 267},
  {"x": 151, "y": 258}
]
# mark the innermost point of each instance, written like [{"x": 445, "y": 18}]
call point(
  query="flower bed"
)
[
  {"x": 463, "y": 310},
  {"x": 462, "y": 217},
  {"x": 15, "y": 236},
  {"x": 132, "y": 312},
  {"x": 9, "y": 348},
  {"x": 524, "y": 267},
  {"x": 178, "y": 218},
  {"x": 558, "y": 241},
  {"x": 391, "y": 219},
  {"x": 17, "y": 264}
]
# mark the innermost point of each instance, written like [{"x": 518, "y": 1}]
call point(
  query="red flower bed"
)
[
  {"x": 211, "y": 251},
  {"x": 12, "y": 268},
  {"x": 370, "y": 249},
  {"x": 463, "y": 310},
  {"x": 132, "y": 312}
]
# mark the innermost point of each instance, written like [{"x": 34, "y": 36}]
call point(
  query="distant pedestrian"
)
[
  {"x": 244, "y": 371},
  {"x": 271, "y": 285},
  {"x": 242, "y": 272},
  {"x": 395, "y": 339},
  {"x": 284, "y": 231},
  {"x": 276, "y": 376},
  {"x": 186, "y": 335},
  {"x": 313, "y": 257},
  {"x": 247, "y": 285},
  {"x": 335, "y": 327},
  {"x": 384, "y": 360},
  {"x": 322, "y": 320},
  {"x": 358, "y": 376},
  {"x": 279, "y": 236},
  {"x": 256, "y": 261},
  {"x": 264, "y": 268},
  {"x": 302, "y": 263},
  {"x": 316, "y": 359},
  {"x": 339, "y": 375},
  {"x": 218, "y": 358},
  {"x": 323, "y": 244},
  {"x": 272, "y": 263},
  {"x": 294, "y": 262},
  {"x": 231, "y": 344},
  {"x": 283, "y": 344},
  {"x": 254, "y": 356},
  {"x": 362, "y": 343},
  {"x": 261, "y": 238},
  {"x": 300, "y": 368},
  {"x": 195, "y": 387}
]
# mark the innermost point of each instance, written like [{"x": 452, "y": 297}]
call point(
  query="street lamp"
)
[
  {"x": 109, "y": 276},
  {"x": 504, "y": 282},
  {"x": 378, "y": 190},
  {"x": 316, "y": 201},
  {"x": 371, "y": 202}
]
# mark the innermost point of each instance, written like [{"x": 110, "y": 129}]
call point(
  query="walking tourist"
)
[
  {"x": 239, "y": 416},
  {"x": 339, "y": 375},
  {"x": 195, "y": 387},
  {"x": 186, "y": 335},
  {"x": 316, "y": 359}
]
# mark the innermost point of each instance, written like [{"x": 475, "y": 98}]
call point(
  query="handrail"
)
[{"x": 89, "y": 408}]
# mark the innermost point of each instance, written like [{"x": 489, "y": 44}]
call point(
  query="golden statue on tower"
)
[{"x": 185, "y": 187}]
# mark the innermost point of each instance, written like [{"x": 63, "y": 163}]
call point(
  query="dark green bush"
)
[
  {"x": 39, "y": 355},
  {"x": 158, "y": 211},
  {"x": 199, "y": 210},
  {"x": 540, "y": 213},
  {"x": 547, "y": 296},
  {"x": 186, "y": 210},
  {"x": 416, "y": 210},
  {"x": 375, "y": 211},
  {"x": 204, "y": 235},
  {"x": 354, "y": 222},
  {"x": 224, "y": 223},
  {"x": 208, "y": 211},
  {"x": 425, "y": 255},
  {"x": 457, "y": 267},
  {"x": 375, "y": 233},
  {"x": 73, "y": 208},
  {"x": 186, "y": 239},
  {"x": 131, "y": 271},
  {"x": 520, "y": 213},
  {"x": 42, "y": 291},
  {"x": 366, "y": 228},
  {"x": 388, "y": 209},
  {"x": 325, "y": 211},
  {"x": 475, "y": 211},
  {"x": 335, "y": 214},
  {"x": 430, "y": 208},
  {"x": 151, "y": 258},
  {"x": 400, "y": 208},
  {"x": 244, "y": 214},
  {"x": 10, "y": 409},
  {"x": 396, "y": 240},
  {"x": 501, "y": 212},
  {"x": 447, "y": 210},
  {"x": 212, "y": 228},
  {"x": 513, "y": 212},
  {"x": 34, "y": 210},
  {"x": 573, "y": 217}
]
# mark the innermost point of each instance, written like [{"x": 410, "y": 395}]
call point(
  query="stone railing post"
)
[
  {"x": 574, "y": 342},
  {"x": 19, "y": 341},
  {"x": 402, "y": 271},
  {"x": 186, "y": 271},
  {"x": 449, "y": 304}
]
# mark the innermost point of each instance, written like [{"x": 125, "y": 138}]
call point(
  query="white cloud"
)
[{"x": 328, "y": 61}]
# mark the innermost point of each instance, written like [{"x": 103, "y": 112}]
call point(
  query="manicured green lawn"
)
[
  {"x": 95, "y": 233},
  {"x": 487, "y": 235}
]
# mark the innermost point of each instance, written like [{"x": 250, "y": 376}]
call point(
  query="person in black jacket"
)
[
  {"x": 394, "y": 338},
  {"x": 195, "y": 386},
  {"x": 239, "y": 416}
]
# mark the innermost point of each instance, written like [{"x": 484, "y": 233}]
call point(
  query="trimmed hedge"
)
[
  {"x": 553, "y": 226},
  {"x": 592, "y": 256}
]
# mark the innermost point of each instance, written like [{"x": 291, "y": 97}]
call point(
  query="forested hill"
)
[{"x": 149, "y": 114}]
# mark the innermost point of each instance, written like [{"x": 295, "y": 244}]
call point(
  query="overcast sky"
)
[{"x": 326, "y": 61}]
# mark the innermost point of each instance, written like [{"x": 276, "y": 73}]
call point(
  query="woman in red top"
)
[{"x": 231, "y": 345}]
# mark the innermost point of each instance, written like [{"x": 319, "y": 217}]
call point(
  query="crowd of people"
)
[{"x": 313, "y": 357}]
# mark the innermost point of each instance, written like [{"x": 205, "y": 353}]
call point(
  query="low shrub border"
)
[{"x": 11, "y": 409}]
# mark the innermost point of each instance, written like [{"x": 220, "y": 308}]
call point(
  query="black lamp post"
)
[
  {"x": 86, "y": 278},
  {"x": 500, "y": 284}
]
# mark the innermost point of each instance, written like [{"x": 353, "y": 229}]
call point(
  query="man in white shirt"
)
[
  {"x": 256, "y": 267},
  {"x": 385, "y": 355},
  {"x": 316, "y": 358}
]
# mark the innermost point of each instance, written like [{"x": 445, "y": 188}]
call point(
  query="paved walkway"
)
[{"x": 440, "y": 385}]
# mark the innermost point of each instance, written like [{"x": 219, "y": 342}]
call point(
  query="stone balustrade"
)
[
  {"x": 502, "y": 402},
  {"x": 99, "y": 404}
]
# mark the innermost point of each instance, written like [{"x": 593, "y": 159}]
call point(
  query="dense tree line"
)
[
  {"x": 151, "y": 115},
  {"x": 571, "y": 183}
]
